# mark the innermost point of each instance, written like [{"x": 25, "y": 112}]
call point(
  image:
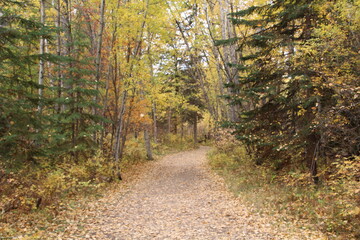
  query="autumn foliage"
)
[{"x": 88, "y": 87}]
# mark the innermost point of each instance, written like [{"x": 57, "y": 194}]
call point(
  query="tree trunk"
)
[
  {"x": 99, "y": 46},
  {"x": 182, "y": 131},
  {"x": 126, "y": 126},
  {"x": 149, "y": 155},
  {"x": 154, "y": 123},
  {"x": 98, "y": 57},
  {"x": 58, "y": 52},
  {"x": 118, "y": 134},
  {"x": 195, "y": 130},
  {"x": 221, "y": 71},
  {"x": 151, "y": 64},
  {"x": 41, "y": 52},
  {"x": 229, "y": 54},
  {"x": 105, "y": 105},
  {"x": 312, "y": 145},
  {"x": 70, "y": 74},
  {"x": 169, "y": 121}
]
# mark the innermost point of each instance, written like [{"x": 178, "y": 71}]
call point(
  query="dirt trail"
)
[{"x": 179, "y": 198}]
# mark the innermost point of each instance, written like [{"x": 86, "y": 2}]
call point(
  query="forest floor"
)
[{"x": 176, "y": 197}]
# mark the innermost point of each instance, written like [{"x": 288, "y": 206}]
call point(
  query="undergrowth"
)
[
  {"x": 332, "y": 206},
  {"x": 35, "y": 193},
  {"x": 171, "y": 143}
]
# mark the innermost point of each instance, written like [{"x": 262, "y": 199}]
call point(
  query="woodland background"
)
[{"x": 90, "y": 87}]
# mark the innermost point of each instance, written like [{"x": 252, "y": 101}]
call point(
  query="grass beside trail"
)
[{"x": 330, "y": 207}]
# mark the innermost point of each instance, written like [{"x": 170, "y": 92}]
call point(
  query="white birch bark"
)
[
  {"x": 99, "y": 46},
  {"x": 41, "y": 52}
]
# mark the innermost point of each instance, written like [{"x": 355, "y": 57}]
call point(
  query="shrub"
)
[{"x": 333, "y": 206}]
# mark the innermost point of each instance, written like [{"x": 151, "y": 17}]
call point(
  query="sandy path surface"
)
[{"x": 180, "y": 198}]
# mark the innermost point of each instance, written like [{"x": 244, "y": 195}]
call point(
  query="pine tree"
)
[
  {"x": 21, "y": 129},
  {"x": 40, "y": 119},
  {"x": 277, "y": 86},
  {"x": 72, "y": 127}
]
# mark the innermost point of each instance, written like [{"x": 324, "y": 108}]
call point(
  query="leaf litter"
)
[{"x": 177, "y": 197}]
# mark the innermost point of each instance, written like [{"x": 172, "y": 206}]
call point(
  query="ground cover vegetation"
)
[
  {"x": 289, "y": 194},
  {"x": 298, "y": 94},
  {"x": 89, "y": 87}
]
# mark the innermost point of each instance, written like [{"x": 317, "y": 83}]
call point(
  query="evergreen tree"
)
[
  {"x": 64, "y": 123},
  {"x": 286, "y": 94},
  {"x": 21, "y": 128},
  {"x": 73, "y": 125}
]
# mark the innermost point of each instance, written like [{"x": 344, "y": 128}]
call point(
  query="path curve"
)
[{"x": 179, "y": 198}]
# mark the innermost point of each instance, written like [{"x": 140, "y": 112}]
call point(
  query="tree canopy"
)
[{"x": 84, "y": 78}]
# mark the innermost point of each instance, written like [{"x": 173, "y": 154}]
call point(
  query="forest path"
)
[{"x": 178, "y": 197}]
